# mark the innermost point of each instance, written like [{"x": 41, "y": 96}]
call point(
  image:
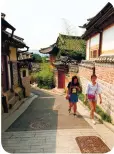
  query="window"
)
[
  {"x": 24, "y": 73},
  {"x": 94, "y": 53}
]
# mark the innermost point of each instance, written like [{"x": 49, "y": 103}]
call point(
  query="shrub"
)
[{"x": 45, "y": 78}]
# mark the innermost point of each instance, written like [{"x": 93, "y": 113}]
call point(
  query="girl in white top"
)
[{"x": 92, "y": 91}]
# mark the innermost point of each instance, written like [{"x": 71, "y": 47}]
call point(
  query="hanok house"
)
[
  {"x": 63, "y": 45},
  {"x": 25, "y": 60},
  {"x": 52, "y": 50},
  {"x": 12, "y": 89},
  {"x": 99, "y": 33},
  {"x": 99, "y": 36}
]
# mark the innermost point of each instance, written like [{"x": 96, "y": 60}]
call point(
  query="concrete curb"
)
[
  {"x": 108, "y": 125},
  {"x": 47, "y": 91},
  {"x": 6, "y": 123}
]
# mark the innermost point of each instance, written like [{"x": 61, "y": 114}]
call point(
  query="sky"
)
[{"x": 39, "y": 22}]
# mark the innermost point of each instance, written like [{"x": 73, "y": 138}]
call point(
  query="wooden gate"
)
[{"x": 61, "y": 79}]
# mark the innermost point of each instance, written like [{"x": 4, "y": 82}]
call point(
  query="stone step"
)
[
  {"x": 12, "y": 101},
  {"x": 9, "y": 95}
]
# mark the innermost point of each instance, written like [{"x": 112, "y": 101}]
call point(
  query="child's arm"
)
[
  {"x": 100, "y": 98},
  {"x": 78, "y": 88},
  {"x": 68, "y": 90}
]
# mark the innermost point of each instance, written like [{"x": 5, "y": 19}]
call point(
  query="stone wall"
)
[
  {"x": 26, "y": 85},
  {"x": 105, "y": 77},
  {"x": 15, "y": 74},
  {"x": 35, "y": 67}
]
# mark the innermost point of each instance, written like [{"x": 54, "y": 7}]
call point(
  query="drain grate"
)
[
  {"x": 91, "y": 144},
  {"x": 40, "y": 124}
]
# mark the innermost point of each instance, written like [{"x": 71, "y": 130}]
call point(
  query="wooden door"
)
[{"x": 61, "y": 79}]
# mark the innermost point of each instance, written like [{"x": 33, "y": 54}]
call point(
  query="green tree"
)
[
  {"x": 37, "y": 58},
  {"x": 44, "y": 59}
]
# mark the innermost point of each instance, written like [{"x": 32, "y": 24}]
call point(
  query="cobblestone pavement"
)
[{"x": 46, "y": 127}]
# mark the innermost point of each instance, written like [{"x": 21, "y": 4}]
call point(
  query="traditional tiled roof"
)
[
  {"x": 25, "y": 56},
  {"x": 96, "y": 24},
  {"x": 105, "y": 59},
  {"x": 6, "y": 24},
  {"x": 65, "y": 42},
  {"x": 15, "y": 40},
  {"x": 70, "y": 43},
  {"x": 48, "y": 49}
]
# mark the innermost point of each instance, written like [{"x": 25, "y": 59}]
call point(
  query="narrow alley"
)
[{"x": 47, "y": 127}]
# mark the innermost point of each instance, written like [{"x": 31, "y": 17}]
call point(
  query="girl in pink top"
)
[{"x": 92, "y": 92}]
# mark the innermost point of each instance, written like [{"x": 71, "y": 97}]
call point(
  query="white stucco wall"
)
[
  {"x": 91, "y": 43},
  {"x": 95, "y": 40},
  {"x": 108, "y": 41}
]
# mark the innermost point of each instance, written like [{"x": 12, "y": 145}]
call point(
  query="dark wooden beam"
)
[
  {"x": 100, "y": 44},
  {"x": 11, "y": 73}
]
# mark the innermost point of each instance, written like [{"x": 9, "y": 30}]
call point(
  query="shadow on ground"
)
[
  {"x": 46, "y": 114},
  {"x": 38, "y": 117}
]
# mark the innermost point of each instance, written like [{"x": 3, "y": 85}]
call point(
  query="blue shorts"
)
[{"x": 73, "y": 98}]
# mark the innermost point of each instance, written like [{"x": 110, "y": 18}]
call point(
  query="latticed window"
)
[{"x": 94, "y": 53}]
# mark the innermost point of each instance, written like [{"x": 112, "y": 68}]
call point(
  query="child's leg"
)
[
  {"x": 75, "y": 108},
  {"x": 71, "y": 105},
  {"x": 92, "y": 110}
]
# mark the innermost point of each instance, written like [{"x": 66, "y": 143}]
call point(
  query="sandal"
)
[{"x": 69, "y": 110}]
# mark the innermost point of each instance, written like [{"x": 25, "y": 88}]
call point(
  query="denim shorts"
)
[{"x": 73, "y": 98}]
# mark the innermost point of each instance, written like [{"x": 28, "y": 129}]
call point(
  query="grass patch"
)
[{"x": 104, "y": 116}]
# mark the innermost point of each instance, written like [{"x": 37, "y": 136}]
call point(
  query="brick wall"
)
[
  {"x": 105, "y": 72},
  {"x": 105, "y": 77},
  {"x": 85, "y": 72},
  {"x": 107, "y": 97}
]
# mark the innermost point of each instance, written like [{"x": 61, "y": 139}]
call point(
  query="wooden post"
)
[
  {"x": 4, "y": 104},
  {"x": 100, "y": 43}
]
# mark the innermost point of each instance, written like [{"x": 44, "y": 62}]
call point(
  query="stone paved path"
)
[
  {"x": 46, "y": 127},
  {"x": 47, "y": 113}
]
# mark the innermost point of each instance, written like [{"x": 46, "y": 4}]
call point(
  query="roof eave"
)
[
  {"x": 99, "y": 14},
  {"x": 7, "y": 24}
]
